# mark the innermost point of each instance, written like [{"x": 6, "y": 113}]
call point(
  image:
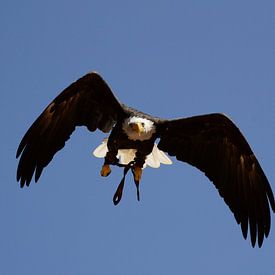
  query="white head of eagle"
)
[{"x": 138, "y": 128}]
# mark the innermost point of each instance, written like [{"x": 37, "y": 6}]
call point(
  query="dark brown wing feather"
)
[
  {"x": 87, "y": 102},
  {"x": 213, "y": 144}
]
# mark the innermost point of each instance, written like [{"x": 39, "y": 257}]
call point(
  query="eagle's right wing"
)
[{"x": 87, "y": 102}]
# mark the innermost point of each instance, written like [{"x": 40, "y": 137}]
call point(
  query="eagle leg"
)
[
  {"x": 110, "y": 158},
  {"x": 137, "y": 167},
  {"x": 137, "y": 172},
  {"x": 105, "y": 170}
]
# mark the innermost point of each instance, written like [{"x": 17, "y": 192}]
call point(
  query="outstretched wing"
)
[
  {"x": 213, "y": 144},
  {"x": 87, "y": 102}
]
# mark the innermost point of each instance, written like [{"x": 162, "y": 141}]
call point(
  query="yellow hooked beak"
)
[{"x": 137, "y": 127}]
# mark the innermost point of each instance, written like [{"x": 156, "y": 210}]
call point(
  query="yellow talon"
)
[
  {"x": 105, "y": 170},
  {"x": 137, "y": 173}
]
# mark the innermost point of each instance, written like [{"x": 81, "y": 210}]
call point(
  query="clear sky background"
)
[{"x": 170, "y": 59}]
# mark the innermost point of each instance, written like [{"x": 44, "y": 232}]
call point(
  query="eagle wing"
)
[
  {"x": 87, "y": 102},
  {"x": 214, "y": 145}
]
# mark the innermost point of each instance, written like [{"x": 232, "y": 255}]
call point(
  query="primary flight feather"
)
[{"x": 211, "y": 142}]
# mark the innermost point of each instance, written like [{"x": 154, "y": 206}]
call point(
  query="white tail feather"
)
[
  {"x": 127, "y": 155},
  {"x": 163, "y": 158},
  {"x": 152, "y": 160},
  {"x": 101, "y": 150}
]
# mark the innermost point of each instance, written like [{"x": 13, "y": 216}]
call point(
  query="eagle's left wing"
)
[{"x": 213, "y": 144}]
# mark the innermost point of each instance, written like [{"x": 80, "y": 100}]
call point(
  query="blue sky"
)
[{"x": 170, "y": 59}]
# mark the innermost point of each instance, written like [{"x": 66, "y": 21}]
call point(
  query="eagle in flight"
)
[{"x": 212, "y": 143}]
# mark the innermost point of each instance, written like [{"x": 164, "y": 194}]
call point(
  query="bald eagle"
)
[{"x": 212, "y": 143}]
